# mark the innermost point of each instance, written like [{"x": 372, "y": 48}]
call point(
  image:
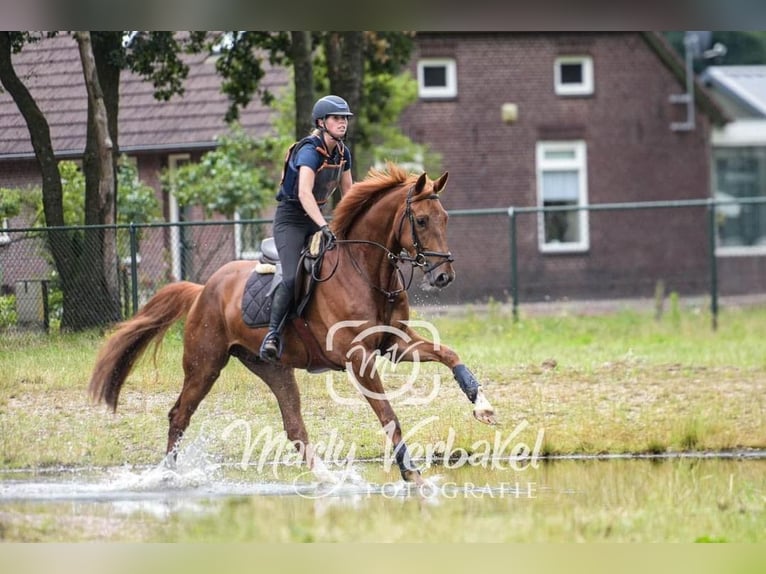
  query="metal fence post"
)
[
  {"x": 134, "y": 266},
  {"x": 514, "y": 265},
  {"x": 713, "y": 263}
]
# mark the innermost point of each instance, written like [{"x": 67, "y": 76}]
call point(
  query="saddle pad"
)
[{"x": 256, "y": 306}]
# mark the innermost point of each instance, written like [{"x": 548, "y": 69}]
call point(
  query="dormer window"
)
[
  {"x": 437, "y": 78},
  {"x": 573, "y": 75}
]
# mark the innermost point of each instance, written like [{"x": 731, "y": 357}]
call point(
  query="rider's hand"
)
[{"x": 329, "y": 236}]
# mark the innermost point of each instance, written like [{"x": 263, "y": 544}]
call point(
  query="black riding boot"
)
[{"x": 271, "y": 348}]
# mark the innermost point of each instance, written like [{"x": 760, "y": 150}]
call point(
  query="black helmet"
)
[{"x": 330, "y": 106}]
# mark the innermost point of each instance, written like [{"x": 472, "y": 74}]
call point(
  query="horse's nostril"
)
[{"x": 443, "y": 279}]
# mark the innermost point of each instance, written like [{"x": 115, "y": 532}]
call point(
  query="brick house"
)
[{"x": 556, "y": 119}]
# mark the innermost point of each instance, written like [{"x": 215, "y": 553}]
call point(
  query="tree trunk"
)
[
  {"x": 300, "y": 53},
  {"x": 345, "y": 70},
  {"x": 99, "y": 246}
]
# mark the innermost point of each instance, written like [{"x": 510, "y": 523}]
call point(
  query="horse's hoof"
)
[
  {"x": 413, "y": 476},
  {"x": 482, "y": 409},
  {"x": 485, "y": 416}
]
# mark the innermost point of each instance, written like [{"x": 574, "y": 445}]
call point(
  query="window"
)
[
  {"x": 562, "y": 182},
  {"x": 437, "y": 78},
  {"x": 573, "y": 75},
  {"x": 247, "y": 239},
  {"x": 740, "y": 172}
]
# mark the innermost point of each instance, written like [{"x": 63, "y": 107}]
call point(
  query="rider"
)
[{"x": 315, "y": 166}]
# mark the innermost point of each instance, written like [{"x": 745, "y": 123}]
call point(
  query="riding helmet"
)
[{"x": 330, "y": 106}]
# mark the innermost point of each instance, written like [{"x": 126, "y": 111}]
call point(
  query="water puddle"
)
[{"x": 563, "y": 496}]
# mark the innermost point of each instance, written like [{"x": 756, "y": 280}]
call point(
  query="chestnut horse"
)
[{"x": 385, "y": 222}]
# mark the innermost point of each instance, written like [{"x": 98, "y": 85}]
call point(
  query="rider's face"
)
[{"x": 336, "y": 125}]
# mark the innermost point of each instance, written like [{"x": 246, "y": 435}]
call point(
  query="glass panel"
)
[
  {"x": 561, "y": 186},
  {"x": 571, "y": 73},
  {"x": 740, "y": 172},
  {"x": 561, "y": 226},
  {"x": 434, "y": 76},
  {"x": 560, "y": 154}
]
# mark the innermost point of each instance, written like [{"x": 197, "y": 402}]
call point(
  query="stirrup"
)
[{"x": 271, "y": 347}]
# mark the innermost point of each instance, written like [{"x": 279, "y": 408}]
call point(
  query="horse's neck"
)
[{"x": 379, "y": 225}]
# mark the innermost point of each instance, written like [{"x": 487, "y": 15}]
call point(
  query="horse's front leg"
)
[
  {"x": 415, "y": 347},
  {"x": 369, "y": 384}
]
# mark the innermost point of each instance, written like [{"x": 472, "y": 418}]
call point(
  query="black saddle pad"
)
[{"x": 256, "y": 306}]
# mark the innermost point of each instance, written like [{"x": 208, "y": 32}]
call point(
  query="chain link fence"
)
[{"x": 59, "y": 278}]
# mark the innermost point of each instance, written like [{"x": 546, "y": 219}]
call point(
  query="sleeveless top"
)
[{"x": 328, "y": 167}]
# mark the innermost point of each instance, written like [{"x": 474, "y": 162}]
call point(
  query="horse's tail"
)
[{"x": 131, "y": 338}]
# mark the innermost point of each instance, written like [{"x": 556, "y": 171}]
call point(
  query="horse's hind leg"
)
[{"x": 204, "y": 357}]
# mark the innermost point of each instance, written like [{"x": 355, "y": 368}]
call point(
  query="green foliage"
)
[
  {"x": 136, "y": 201},
  {"x": 241, "y": 65},
  {"x": 10, "y": 203},
  {"x": 237, "y": 175},
  {"x": 156, "y": 56},
  {"x": 7, "y": 311},
  {"x": 73, "y": 184}
]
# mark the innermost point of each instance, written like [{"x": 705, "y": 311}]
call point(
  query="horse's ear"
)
[
  {"x": 441, "y": 182},
  {"x": 420, "y": 184}
]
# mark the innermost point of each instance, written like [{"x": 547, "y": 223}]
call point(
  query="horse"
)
[{"x": 386, "y": 221}]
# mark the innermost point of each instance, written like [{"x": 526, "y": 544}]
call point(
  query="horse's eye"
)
[{"x": 422, "y": 221}]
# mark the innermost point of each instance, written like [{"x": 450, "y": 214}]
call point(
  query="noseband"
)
[{"x": 421, "y": 253}]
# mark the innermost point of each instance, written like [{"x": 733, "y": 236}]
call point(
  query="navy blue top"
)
[{"x": 328, "y": 167}]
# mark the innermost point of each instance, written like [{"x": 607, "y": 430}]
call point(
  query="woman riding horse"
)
[
  {"x": 388, "y": 221},
  {"x": 314, "y": 168}
]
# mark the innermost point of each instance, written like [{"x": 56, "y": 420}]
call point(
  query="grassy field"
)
[
  {"x": 619, "y": 383},
  {"x": 606, "y": 384}
]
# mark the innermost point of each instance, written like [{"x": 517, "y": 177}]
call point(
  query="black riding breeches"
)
[{"x": 291, "y": 229}]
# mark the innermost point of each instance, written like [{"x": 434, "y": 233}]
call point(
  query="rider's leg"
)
[
  {"x": 291, "y": 226},
  {"x": 271, "y": 348}
]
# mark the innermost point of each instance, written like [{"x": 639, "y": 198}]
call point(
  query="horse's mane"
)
[{"x": 363, "y": 193}]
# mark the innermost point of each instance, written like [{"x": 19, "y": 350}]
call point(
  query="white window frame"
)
[
  {"x": 449, "y": 90},
  {"x": 584, "y": 88},
  {"x": 242, "y": 253},
  {"x": 174, "y": 160},
  {"x": 741, "y": 133},
  {"x": 580, "y": 163},
  {"x": 5, "y": 239}
]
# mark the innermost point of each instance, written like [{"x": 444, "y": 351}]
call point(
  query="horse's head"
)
[{"x": 423, "y": 231}]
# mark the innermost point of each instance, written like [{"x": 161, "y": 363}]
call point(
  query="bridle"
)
[
  {"x": 420, "y": 259},
  {"x": 421, "y": 253}
]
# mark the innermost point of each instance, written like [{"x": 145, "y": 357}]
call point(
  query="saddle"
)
[{"x": 263, "y": 280}]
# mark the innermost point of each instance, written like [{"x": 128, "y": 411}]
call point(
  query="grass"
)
[{"x": 607, "y": 384}]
